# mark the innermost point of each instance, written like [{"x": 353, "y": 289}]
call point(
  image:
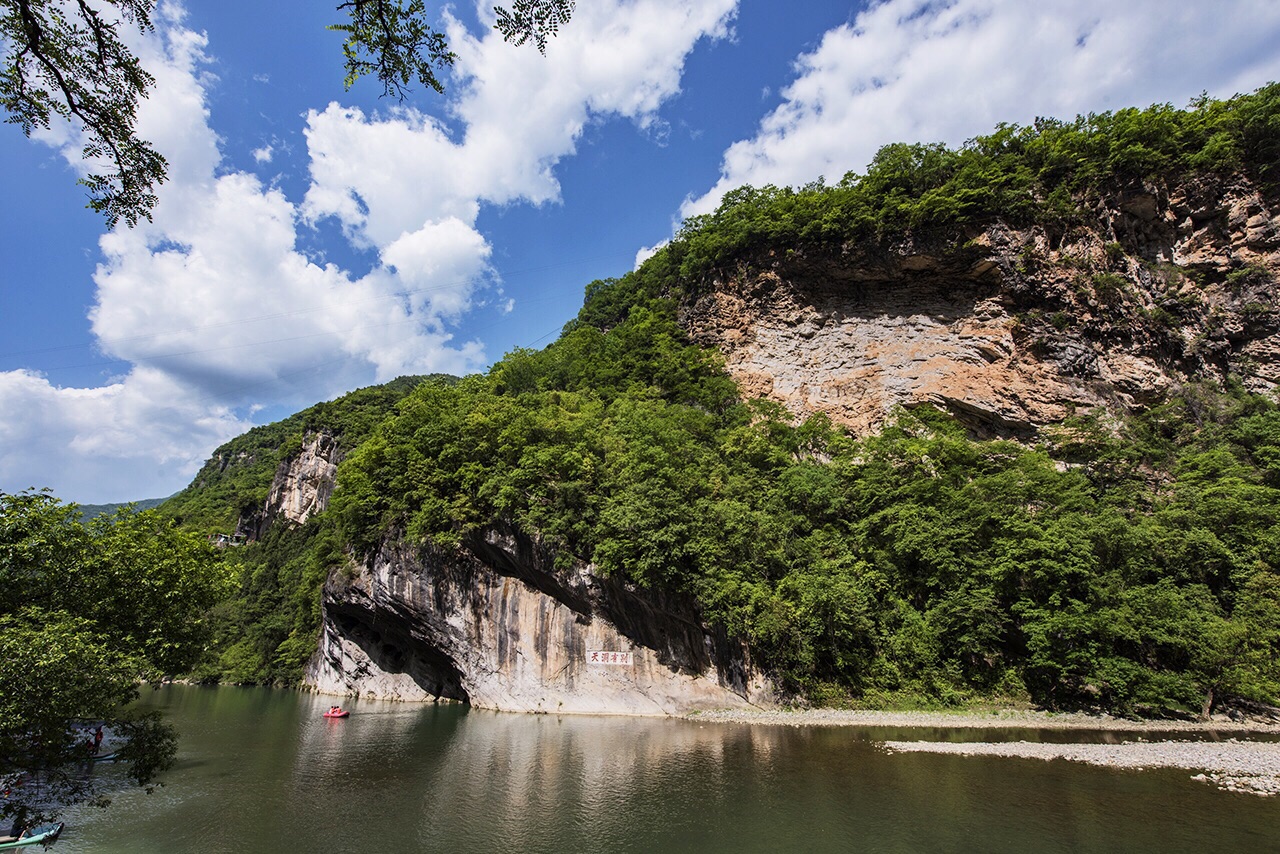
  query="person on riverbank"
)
[{"x": 17, "y": 828}]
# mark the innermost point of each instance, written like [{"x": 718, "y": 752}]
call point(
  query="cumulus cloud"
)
[
  {"x": 947, "y": 70},
  {"x": 139, "y": 432},
  {"x": 644, "y": 253}
]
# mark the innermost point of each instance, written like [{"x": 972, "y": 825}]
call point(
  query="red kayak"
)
[{"x": 336, "y": 712}]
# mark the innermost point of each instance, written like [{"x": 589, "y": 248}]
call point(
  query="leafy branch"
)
[
  {"x": 533, "y": 19},
  {"x": 394, "y": 43},
  {"x": 67, "y": 60}
]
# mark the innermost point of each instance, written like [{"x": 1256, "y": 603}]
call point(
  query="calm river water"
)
[{"x": 260, "y": 770}]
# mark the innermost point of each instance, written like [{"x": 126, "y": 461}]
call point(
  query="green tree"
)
[
  {"x": 87, "y": 612},
  {"x": 68, "y": 60}
]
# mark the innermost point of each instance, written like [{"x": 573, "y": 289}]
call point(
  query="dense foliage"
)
[
  {"x": 266, "y": 630},
  {"x": 1128, "y": 566},
  {"x": 86, "y": 611},
  {"x": 1046, "y": 173},
  {"x": 234, "y": 483}
]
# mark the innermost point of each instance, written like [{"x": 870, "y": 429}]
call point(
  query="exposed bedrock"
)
[
  {"x": 497, "y": 625},
  {"x": 1009, "y": 329},
  {"x": 301, "y": 487}
]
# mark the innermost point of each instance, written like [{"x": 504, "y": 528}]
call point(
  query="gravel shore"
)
[
  {"x": 1006, "y": 719},
  {"x": 1238, "y": 766}
]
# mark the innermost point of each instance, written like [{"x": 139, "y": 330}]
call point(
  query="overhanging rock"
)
[{"x": 495, "y": 624}]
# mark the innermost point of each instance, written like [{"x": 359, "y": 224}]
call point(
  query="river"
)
[{"x": 261, "y": 770}]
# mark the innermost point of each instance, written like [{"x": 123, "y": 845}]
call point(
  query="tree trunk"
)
[{"x": 1208, "y": 705}]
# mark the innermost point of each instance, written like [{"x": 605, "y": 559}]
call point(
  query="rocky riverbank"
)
[
  {"x": 1003, "y": 719},
  {"x": 1252, "y": 767},
  {"x": 1236, "y": 764}
]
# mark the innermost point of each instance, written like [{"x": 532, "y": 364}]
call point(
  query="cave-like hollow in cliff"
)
[{"x": 394, "y": 649}]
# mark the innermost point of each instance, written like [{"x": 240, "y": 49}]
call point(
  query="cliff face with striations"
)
[
  {"x": 1013, "y": 329},
  {"x": 615, "y": 494},
  {"x": 495, "y": 624},
  {"x": 1008, "y": 329},
  {"x": 303, "y": 484},
  {"x": 301, "y": 487}
]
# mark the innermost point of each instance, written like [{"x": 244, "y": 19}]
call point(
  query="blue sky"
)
[{"x": 312, "y": 240}]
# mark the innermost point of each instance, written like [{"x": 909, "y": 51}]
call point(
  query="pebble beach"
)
[{"x": 1002, "y": 719}]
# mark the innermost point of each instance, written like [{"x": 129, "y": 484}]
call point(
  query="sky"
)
[{"x": 312, "y": 240}]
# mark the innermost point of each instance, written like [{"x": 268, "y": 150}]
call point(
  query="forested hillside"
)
[
  {"x": 235, "y": 481},
  {"x": 1128, "y": 562}
]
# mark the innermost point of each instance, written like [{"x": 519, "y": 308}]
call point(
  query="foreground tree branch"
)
[{"x": 68, "y": 61}]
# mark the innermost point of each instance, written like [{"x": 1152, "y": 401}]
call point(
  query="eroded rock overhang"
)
[{"x": 496, "y": 624}]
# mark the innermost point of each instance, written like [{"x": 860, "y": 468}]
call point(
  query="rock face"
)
[
  {"x": 497, "y": 625},
  {"x": 1013, "y": 329},
  {"x": 301, "y": 487},
  {"x": 1008, "y": 329}
]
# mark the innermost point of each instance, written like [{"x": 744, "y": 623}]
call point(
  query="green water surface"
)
[{"x": 261, "y": 770}]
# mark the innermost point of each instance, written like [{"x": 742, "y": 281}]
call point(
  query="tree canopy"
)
[
  {"x": 69, "y": 61},
  {"x": 916, "y": 566},
  {"x": 87, "y": 611}
]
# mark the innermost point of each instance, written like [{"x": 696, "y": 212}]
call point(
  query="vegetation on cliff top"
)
[
  {"x": 265, "y": 631},
  {"x": 1124, "y": 567},
  {"x": 235, "y": 481},
  {"x": 1045, "y": 173},
  {"x": 917, "y": 563}
]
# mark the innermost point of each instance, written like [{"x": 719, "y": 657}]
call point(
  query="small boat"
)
[
  {"x": 336, "y": 712},
  {"x": 106, "y": 757},
  {"x": 43, "y": 834}
]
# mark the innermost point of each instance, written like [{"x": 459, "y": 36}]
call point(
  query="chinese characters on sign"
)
[{"x": 600, "y": 656}]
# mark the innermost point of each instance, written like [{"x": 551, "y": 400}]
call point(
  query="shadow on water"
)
[{"x": 261, "y": 770}]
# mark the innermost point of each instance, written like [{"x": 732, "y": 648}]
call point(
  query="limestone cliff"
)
[
  {"x": 1008, "y": 329},
  {"x": 496, "y": 624},
  {"x": 1012, "y": 329},
  {"x": 301, "y": 487},
  {"x": 303, "y": 484}
]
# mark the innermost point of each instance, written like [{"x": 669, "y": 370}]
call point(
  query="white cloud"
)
[
  {"x": 122, "y": 441},
  {"x": 934, "y": 71},
  {"x": 644, "y": 253},
  {"x": 264, "y": 154},
  {"x": 522, "y": 112}
]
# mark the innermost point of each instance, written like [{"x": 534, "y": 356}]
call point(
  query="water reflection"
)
[
  {"x": 262, "y": 770},
  {"x": 516, "y": 782}
]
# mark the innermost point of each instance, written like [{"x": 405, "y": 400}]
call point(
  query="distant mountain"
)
[{"x": 91, "y": 511}]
